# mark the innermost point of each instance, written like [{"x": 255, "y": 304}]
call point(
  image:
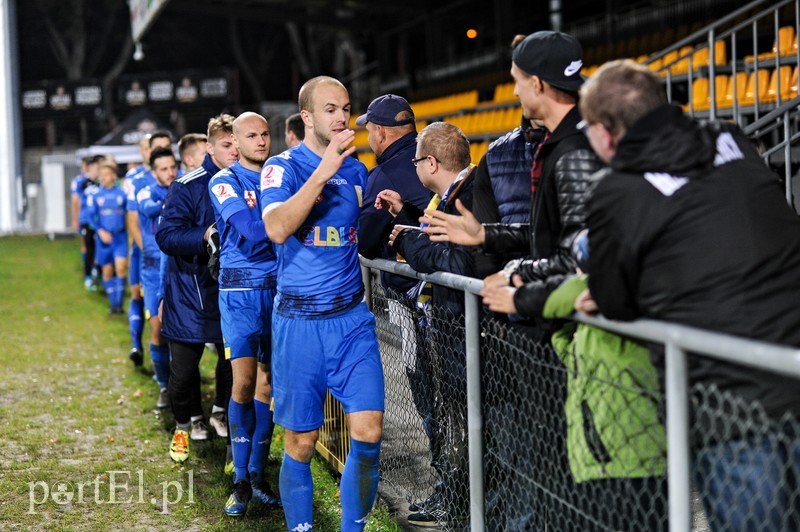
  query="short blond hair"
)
[
  {"x": 220, "y": 125},
  {"x": 447, "y": 144}
]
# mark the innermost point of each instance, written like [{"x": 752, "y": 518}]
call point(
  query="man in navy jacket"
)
[
  {"x": 191, "y": 295},
  {"x": 392, "y": 131}
]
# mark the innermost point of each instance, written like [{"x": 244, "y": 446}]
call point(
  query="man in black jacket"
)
[
  {"x": 689, "y": 226},
  {"x": 546, "y": 70}
]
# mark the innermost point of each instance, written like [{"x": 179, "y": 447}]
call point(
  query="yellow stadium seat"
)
[
  {"x": 785, "y": 75},
  {"x": 700, "y": 94},
  {"x": 793, "y": 85},
  {"x": 741, "y": 87},
  {"x": 757, "y": 85}
]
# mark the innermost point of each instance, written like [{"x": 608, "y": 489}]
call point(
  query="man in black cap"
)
[
  {"x": 392, "y": 136},
  {"x": 546, "y": 70}
]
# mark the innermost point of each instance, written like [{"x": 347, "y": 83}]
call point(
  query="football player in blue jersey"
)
[
  {"x": 246, "y": 290},
  {"x": 82, "y": 185},
  {"x": 135, "y": 180},
  {"x": 149, "y": 200},
  {"x": 323, "y": 334},
  {"x": 107, "y": 211}
]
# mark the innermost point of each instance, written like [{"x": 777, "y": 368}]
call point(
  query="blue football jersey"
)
[
  {"x": 83, "y": 187},
  {"x": 149, "y": 201},
  {"x": 243, "y": 263},
  {"x": 133, "y": 185},
  {"x": 107, "y": 207},
  {"x": 318, "y": 268}
]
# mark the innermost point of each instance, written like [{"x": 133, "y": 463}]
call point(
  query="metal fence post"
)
[
  {"x": 472, "y": 327},
  {"x": 677, "y": 388}
]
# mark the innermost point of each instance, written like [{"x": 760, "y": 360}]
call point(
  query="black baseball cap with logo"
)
[{"x": 554, "y": 57}]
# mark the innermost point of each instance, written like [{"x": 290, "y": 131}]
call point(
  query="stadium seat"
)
[
  {"x": 741, "y": 87},
  {"x": 757, "y": 85},
  {"x": 785, "y": 75},
  {"x": 700, "y": 94}
]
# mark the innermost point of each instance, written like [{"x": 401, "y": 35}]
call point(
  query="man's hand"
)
[
  {"x": 496, "y": 279},
  {"x": 465, "y": 230},
  {"x": 499, "y": 299},
  {"x": 105, "y": 236},
  {"x": 335, "y": 154},
  {"x": 396, "y": 230},
  {"x": 389, "y": 200},
  {"x": 585, "y": 303}
]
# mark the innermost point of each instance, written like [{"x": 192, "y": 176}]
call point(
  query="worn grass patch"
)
[{"x": 83, "y": 445}]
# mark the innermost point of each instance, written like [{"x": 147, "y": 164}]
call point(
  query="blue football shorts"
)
[
  {"x": 312, "y": 356},
  {"x": 117, "y": 249},
  {"x": 150, "y": 280},
  {"x": 246, "y": 318},
  {"x": 135, "y": 265}
]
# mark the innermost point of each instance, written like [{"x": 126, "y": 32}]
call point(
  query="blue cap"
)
[{"x": 384, "y": 109}]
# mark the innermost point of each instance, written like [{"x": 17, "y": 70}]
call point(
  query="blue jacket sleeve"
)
[
  {"x": 252, "y": 230},
  {"x": 177, "y": 232}
]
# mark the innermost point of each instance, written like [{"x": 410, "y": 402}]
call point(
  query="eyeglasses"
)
[{"x": 415, "y": 162}]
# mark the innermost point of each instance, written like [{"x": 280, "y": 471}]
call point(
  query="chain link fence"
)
[{"x": 574, "y": 427}]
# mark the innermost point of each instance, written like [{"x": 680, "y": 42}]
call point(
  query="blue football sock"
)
[
  {"x": 135, "y": 322},
  {"x": 119, "y": 295},
  {"x": 297, "y": 488},
  {"x": 262, "y": 436},
  {"x": 108, "y": 286},
  {"x": 241, "y": 423},
  {"x": 359, "y": 485},
  {"x": 159, "y": 354}
]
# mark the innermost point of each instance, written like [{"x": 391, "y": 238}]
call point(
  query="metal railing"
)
[{"x": 561, "y": 501}]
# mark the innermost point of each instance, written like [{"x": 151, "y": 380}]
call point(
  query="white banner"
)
[{"x": 143, "y": 13}]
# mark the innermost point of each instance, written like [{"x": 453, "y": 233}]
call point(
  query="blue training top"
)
[
  {"x": 244, "y": 262},
  {"x": 318, "y": 269},
  {"x": 149, "y": 200},
  {"x": 83, "y": 187},
  {"x": 107, "y": 208}
]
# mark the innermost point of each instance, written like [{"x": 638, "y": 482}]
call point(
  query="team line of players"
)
[{"x": 290, "y": 293}]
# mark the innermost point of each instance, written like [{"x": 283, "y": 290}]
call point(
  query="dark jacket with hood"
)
[
  {"x": 425, "y": 256},
  {"x": 689, "y": 226},
  {"x": 558, "y": 212}
]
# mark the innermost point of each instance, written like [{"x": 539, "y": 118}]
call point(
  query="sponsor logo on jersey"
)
[
  {"x": 250, "y": 198},
  {"x": 143, "y": 195},
  {"x": 223, "y": 192},
  {"x": 335, "y": 181},
  {"x": 271, "y": 176},
  {"x": 327, "y": 236}
]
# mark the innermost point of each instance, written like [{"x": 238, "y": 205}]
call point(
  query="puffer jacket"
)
[
  {"x": 558, "y": 212},
  {"x": 613, "y": 426}
]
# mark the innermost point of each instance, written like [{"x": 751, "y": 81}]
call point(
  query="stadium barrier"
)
[{"x": 504, "y": 432}]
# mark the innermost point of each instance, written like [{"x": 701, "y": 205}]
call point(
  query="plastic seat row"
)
[{"x": 765, "y": 84}]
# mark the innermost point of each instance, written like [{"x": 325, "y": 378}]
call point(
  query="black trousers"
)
[
  {"x": 87, "y": 235},
  {"x": 184, "y": 380}
]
